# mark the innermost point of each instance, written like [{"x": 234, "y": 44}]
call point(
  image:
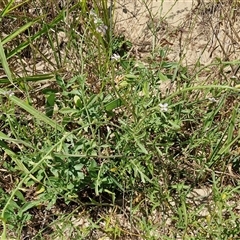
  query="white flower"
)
[
  {"x": 212, "y": 99},
  {"x": 8, "y": 93},
  {"x": 163, "y": 107},
  {"x": 93, "y": 14},
  {"x": 115, "y": 57},
  {"x": 11, "y": 94},
  {"x": 102, "y": 29}
]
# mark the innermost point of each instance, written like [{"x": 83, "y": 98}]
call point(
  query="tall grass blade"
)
[
  {"x": 35, "y": 113},
  {"x": 5, "y": 64}
]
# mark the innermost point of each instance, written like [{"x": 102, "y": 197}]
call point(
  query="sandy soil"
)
[{"x": 190, "y": 31}]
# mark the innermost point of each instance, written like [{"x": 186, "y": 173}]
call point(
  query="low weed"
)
[{"x": 99, "y": 143}]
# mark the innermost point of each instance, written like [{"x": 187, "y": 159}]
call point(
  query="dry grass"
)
[{"x": 176, "y": 175}]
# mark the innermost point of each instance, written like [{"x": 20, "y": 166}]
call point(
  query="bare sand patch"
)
[{"x": 191, "y": 31}]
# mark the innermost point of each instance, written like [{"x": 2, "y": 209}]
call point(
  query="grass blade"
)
[
  {"x": 16, "y": 141},
  {"x": 4, "y": 63},
  {"x": 34, "y": 78},
  {"x": 17, "y": 32},
  {"x": 36, "y": 113}
]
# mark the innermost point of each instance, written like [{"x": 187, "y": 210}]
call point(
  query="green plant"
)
[{"x": 101, "y": 144}]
